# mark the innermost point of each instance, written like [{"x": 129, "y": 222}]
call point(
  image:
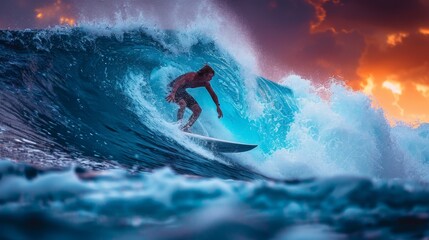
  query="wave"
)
[
  {"x": 102, "y": 97},
  {"x": 94, "y": 96}
]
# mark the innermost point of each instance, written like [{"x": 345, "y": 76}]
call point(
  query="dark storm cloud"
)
[
  {"x": 408, "y": 59},
  {"x": 18, "y": 13},
  {"x": 281, "y": 30},
  {"x": 265, "y": 18},
  {"x": 388, "y": 15},
  {"x": 350, "y": 34}
]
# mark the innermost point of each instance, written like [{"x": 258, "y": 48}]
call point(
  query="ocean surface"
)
[{"x": 90, "y": 149}]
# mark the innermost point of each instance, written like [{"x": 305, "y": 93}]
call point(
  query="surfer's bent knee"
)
[{"x": 196, "y": 109}]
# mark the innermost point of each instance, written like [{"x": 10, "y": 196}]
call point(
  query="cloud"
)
[
  {"x": 281, "y": 30},
  {"x": 368, "y": 43},
  {"x": 376, "y": 15},
  {"x": 396, "y": 47},
  {"x": 18, "y": 14},
  {"x": 35, "y": 14},
  {"x": 408, "y": 60},
  {"x": 56, "y": 12}
]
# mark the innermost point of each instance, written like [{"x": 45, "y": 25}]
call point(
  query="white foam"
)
[
  {"x": 344, "y": 134},
  {"x": 204, "y": 18}
]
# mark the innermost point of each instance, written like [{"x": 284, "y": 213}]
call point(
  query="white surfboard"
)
[{"x": 219, "y": 145}]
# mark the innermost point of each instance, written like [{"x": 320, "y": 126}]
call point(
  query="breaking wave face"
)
[{"x": 99, "y": 99}]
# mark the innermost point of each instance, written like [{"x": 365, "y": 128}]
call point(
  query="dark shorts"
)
[{"x": 182, "y": 94}]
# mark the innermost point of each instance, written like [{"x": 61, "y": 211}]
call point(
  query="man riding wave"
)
[{"x": 179, "y": 95}]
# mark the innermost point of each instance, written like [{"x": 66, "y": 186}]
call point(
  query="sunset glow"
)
[
  {"x": 423, "y": 89},
  {"x": 396, "y": 38},
  {"x": 368, "y": 86},
  {"x": 424, "y": 31},
  {"x": 68, "y": 21},
  {"x": 58, "y": 12},
  {"x": 397, "y": 76},
  {"x": 394, "y": 87}
]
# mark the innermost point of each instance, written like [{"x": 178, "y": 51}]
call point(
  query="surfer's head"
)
[{"x": 206, "y": 73}]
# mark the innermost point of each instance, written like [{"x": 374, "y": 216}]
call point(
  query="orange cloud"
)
[
  {"x": 393, "y": 86},
  {"x": 424, "y": 31},
  {"x": 396, "y": 38},
  {"x": 378, "y": 47},
  {"x": 68, "y": 21},
  {"x": 56, "y": 13},
  {"x": 320, "y": 15},
  {"x": 423, "y": 89},
  {"x": 396, "y": 77},
  {"x": 368, "y": 86},
  {"x": 396, "y": 89},
  {"x": 404, "y": 102}
]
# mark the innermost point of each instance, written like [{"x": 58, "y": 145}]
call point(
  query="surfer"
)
[{"x": 179, "y": 95}]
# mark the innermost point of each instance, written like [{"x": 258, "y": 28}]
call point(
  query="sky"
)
[{"x": 379, "y": 47}]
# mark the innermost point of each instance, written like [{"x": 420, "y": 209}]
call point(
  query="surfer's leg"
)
[
  {"x": 181, "y": 111},
  {"x": 192, "y": 104},
  {"x": 196, "y": 111}
]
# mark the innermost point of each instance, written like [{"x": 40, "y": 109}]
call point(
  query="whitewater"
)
[{"x": 90, "y": 148}]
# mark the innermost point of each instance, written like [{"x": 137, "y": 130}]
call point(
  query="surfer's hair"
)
[{"x": 205, "y": 70}]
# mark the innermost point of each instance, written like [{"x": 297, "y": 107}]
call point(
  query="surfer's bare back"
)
[{"x": 179, "y": 95}]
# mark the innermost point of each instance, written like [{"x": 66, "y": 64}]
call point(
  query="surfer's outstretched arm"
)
[{"x": 215, "y": 99}]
